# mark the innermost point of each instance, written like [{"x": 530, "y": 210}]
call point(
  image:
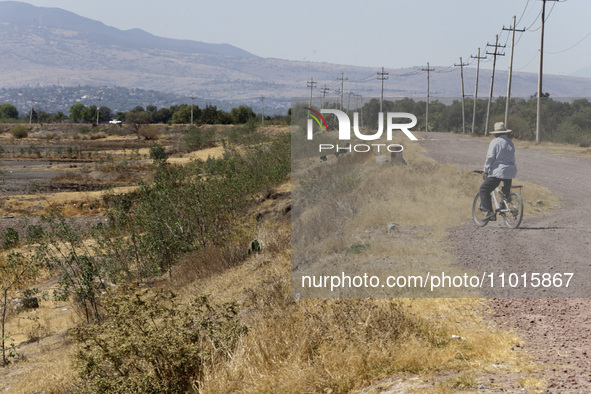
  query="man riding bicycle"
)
[{"x": 498, "y": 166}]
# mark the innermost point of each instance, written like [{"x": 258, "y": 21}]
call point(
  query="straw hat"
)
[{"x": 500, "y": 128}]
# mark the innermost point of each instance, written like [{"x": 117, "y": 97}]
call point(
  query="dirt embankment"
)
[{"x": 554, "y": 322}]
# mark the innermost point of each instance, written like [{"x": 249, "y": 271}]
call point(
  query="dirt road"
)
[{"x": 554, "y": 322}]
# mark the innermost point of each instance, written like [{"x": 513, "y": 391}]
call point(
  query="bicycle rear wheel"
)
[
  {"x": 513, "y": 217},
  {"x": 477, "y": 213}
]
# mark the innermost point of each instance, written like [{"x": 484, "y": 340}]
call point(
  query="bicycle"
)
[{"x": 510, "y": 210}]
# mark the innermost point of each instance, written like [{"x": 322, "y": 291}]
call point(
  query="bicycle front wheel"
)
[
  {"x": 477, "y": 213},
  {"x": 513, "y": 217}
]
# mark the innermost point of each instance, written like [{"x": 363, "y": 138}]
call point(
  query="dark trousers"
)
[{"x": 488, "y": 186}]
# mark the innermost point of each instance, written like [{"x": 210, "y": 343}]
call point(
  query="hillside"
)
[{"x": 44, "y": 47}]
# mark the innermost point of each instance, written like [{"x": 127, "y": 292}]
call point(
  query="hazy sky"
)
[{"x": 374, "y": 33}]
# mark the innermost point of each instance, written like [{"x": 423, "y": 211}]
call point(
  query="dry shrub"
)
[
  {"x": 149, "y": 132},
  {"x": 43, "y": 134},
  {"x": 97, "y": 136},
  {"x": 215, "y": 259},
  {"x": 206, "y": 262},
  {"x": 19, "y": 132},
  {"x": 151, "y": 344},
  {"x": 37, "y": 330},
  {"x": 70, "y": 177}
]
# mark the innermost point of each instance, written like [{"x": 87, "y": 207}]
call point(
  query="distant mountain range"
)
[{"x": 41, "y": 47}]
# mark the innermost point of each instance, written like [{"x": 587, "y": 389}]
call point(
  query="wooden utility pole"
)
[
  {"x": 476, "y": 89},
  {"x": 262, "y": 110},
  {"x": 510, "y": 70},
  {"x": 98, "y": 110},
  {"x": 324, "y": 90},
  {"x": 427, "y": 111},
  {"x": 539, "y": 109},
  {"x": 192, "y": 98},
  {"x": 382, "y": 77},
  {"x": 342, "y": 79},
  {"x": 492, "y": 78},
  {"x": 32, "y": 109},
  {"x": 461, "y": 65},
  {"x": 358, "y": 97},
  {"x": 311, "y": 84}
]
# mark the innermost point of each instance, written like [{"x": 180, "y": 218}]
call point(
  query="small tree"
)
[
  {"x": 137, "y": 120},
  {"x": 158, "y": 154},
  {"x": 8, "y": 111},
  {"x": 15, "y": 271},
  {"x": 77, "y": 112},
  {"x": 242, "y": 114},
  {"x": 63, "y": 250},
  {"x": 198, "y": 138}
]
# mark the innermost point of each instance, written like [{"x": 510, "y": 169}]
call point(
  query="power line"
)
[
  {"x": 571, "y": 47},
  {"x": 523, "y": 13},
  {"x": 547, "y": 17},
  {"x": 530, "y": 60},
  {"x": 365, "y": 79},
  {"x": 534, "y": 22}
]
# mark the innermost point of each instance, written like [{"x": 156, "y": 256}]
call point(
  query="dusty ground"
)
[
  {"x": 58, "y": 166},
  {"x": 554, "y": 322}
]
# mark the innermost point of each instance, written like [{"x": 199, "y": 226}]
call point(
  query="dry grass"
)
[
  {"x": 533, "y": 385},
  {"x": 69, "y": 203},
  {"x": 203, "y": 154},
  {"x": 43, "y": 347},
  {"x": 324, "y": 345}
]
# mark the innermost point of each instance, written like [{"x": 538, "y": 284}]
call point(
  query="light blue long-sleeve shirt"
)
[{"x": 500, "y": 158}]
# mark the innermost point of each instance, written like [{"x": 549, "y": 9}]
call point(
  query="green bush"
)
[
  {"x": 188, "y": 207},
  {"x": 34, "y": 233},
  {"x": 198, "y": 138},
  {"x": 158, "y": 153},
  {"x": 19, "y": 132},
  {"x": 246, "y": 134},
  {"x": 10, "y": 238},
  {"x": 150, "y": 344}
]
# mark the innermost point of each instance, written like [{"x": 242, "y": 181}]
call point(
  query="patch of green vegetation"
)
[{"x": 357, "y": 248}]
